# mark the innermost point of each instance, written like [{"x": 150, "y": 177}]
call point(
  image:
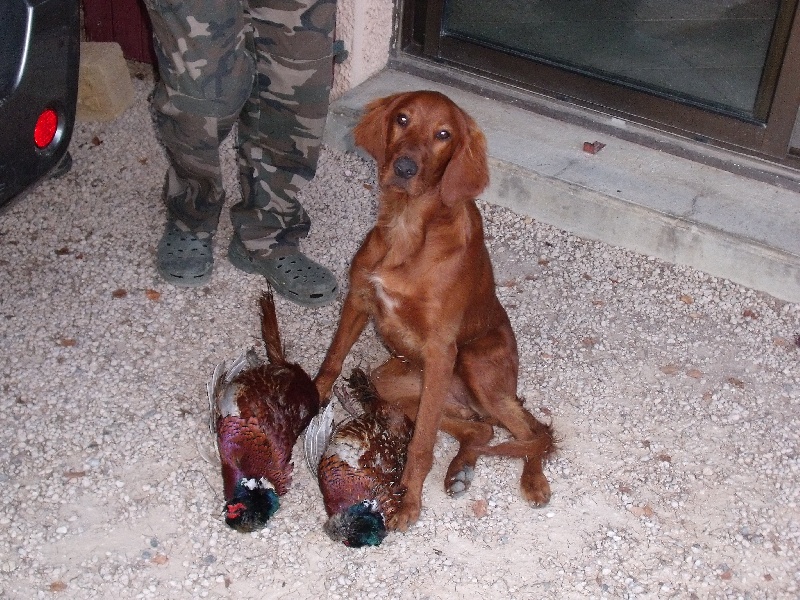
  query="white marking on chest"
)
[{"x": 388, "y": 303}]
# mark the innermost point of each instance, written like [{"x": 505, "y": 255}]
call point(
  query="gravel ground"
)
[{"x": 675, "y": 395}]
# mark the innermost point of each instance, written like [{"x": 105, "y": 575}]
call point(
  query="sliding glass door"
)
[{"x": 725, "y": 70}]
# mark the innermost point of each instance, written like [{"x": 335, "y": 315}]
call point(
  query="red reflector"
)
[{"x": 45, "y": 129}]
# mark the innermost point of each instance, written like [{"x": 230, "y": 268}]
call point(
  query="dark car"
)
[{"x": 39, "y": 51}]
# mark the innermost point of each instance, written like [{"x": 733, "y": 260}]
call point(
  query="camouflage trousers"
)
[{"x": 264, "y": 64}]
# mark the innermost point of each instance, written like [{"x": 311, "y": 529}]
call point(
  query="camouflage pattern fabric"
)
[{"x": 267, "y": 64}]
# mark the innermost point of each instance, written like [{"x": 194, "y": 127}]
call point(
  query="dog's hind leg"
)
[
  {"x": 532, "y": 444},
  {"x": 489, "y": 370},
  {"x": 400, "y": 383},
  {"x": 534, "y": 484}
]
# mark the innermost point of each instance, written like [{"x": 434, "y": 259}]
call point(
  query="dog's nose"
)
[{"x": 405, "y": 167}]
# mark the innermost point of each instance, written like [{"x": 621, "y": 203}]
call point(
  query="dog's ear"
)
[
  {"x": 467, "y": 173},
  {"x": 371, "y": 131}
]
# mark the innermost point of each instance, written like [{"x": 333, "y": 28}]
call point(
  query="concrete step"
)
[{"x": 629, "y": 195}]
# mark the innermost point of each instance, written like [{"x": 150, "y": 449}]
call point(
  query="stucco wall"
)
[{"x": 365, "y": 26}]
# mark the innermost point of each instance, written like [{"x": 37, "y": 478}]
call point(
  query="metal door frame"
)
[{"x": 421, "y": 35}]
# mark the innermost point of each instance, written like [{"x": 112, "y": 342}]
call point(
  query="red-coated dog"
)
[{"x": 424, "y": 276}]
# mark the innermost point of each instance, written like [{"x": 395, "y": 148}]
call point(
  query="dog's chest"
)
[
  {"x": 394, "y": 314},
  {"x": 391, "y": 276},
  {"x": 387, "y": 298}
]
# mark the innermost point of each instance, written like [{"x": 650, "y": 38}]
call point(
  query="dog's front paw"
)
[
  {"x": 406, "y": 516},
  {"x": 324, "y": 383}
]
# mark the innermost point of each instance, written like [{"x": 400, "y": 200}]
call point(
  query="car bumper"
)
[{"x": 39, "y": 52}]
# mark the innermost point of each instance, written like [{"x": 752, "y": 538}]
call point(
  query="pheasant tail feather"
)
[{"x": 269, "y": 329}]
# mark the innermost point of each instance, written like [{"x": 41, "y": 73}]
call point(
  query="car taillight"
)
[{"x": 45, "y": 129}]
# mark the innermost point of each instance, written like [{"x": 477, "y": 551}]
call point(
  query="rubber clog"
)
[
  {"x": 185, "y": 258},
  {"x": 294, "y": 276}
]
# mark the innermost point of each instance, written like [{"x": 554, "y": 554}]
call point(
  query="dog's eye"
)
[
  {"x": 402, "y": 120},
  {"x": 443, "y": 135}
]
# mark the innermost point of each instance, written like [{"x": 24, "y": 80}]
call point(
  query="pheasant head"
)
[
  {"x": 254, "y": 501},
  {"x": 360, "y": 525}
]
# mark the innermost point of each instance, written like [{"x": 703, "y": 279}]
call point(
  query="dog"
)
[{"x": 424, "y": 276}]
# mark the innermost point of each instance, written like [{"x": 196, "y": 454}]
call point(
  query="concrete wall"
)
[{"x": 366, "y": 28}]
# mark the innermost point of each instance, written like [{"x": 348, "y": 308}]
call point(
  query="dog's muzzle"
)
[{"x": 405, "y": 168}]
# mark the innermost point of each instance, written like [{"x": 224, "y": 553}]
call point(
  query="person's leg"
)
[
  {"x": 280, "y": 132},
  {"x": 205, "y": 77}
]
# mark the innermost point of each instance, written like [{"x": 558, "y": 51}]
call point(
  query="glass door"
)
[
  {"x": 726, "y": 70},
  {"x": 706, "y": 52}
]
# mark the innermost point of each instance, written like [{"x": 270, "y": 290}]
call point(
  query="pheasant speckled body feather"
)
[
  {"x": 258, "y": 411},
  {"x": 359, "y": 474}
]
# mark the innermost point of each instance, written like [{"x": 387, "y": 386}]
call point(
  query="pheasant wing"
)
[{"x": 318, "y": 435}]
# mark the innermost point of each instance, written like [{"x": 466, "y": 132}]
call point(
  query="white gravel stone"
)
[{"x": 674, "y": 395}]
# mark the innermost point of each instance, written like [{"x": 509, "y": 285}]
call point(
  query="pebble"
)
[{"x": 685, "y": 411}]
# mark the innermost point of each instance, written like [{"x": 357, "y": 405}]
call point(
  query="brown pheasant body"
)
[
  {"x": 359, "y": 474},
  {"x": 275, "y": 403},
  {"x": 260, "y": 409}
]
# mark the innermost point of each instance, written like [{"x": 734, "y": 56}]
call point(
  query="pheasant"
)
[
  {"x": 258, "y": 410},
  {"x": 359, "y": 471}
]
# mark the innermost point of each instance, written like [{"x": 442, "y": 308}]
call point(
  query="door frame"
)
[{"x": 421, "y": 35}]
